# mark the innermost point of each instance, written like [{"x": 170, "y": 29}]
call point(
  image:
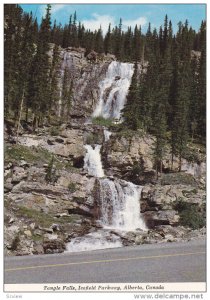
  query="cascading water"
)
[
  {"x": 119, "y": 202},
  {"x": 119, "y": 208},
  {"x": 92, "y": 161},
  {"x": 118, "y": 199},
  {"x": 107, "y": 135},
  {"x": 119, "y": 205},
  {"x": 113, "y": 90}
]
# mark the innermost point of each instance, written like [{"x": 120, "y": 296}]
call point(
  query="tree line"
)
[{"x": 169, "y": 99}]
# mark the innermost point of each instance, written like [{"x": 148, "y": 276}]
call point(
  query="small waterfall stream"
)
[
  {"x": 118, "y": 199},
  {"x": 92, "y": 161}
]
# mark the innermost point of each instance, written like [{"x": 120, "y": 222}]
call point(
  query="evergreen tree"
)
[
  {"x": 107, "y": 41},
  {"x": 180, "y": 123},
  {"x": 39, "y": 89},
  {"x": 130, "y": 112},
  {"x": 99, "y": 41}
]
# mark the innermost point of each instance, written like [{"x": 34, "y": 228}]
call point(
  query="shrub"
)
[
  {"x": 51, "y": 172},
  {"x": 54, "y": 131},
  {"x": 92, "y": 139},
  {"x": 189, "y": 214},
  {"x": 15, "y": 242},
  {"x": 72, "y": 187}
]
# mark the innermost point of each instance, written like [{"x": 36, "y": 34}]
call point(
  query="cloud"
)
[
  {"x": 104, "y": 20},
  {"x": 139, "y": 21},
  {"x": 55, "y": 8},
  {"x": 97, "y": 21}
]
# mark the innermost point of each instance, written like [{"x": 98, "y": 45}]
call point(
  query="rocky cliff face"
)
[{"x": 51, "y": 199}]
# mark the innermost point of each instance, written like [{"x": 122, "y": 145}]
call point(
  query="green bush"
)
[
  {"x": 92, "y": 139},
  {"x": 137, "y": 168},
  {"x": 189, "y": 214},
  {"x": 54, "y": 131},
  {"x": 72, "y": 187},
  {"x": 15, "y": 243},
  {"x": 50, "y": 172}
]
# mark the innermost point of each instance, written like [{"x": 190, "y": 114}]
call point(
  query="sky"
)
[{"x": 95, "y": 15}]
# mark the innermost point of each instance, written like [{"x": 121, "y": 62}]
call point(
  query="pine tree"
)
[
  {"x": 12, "y": 47},
  {"x": 130, "y": 112},
  {"x": 202, "y": 83},
  {"x": 39, "y": 88},
  {"x": 180, "y": 123},
  {"x": 107, "y": 41},
  {"x": 99, "y": 41}
]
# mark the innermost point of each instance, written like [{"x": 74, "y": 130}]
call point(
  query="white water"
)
[
  {"x": 107, "y": 134},
  {"x": 93, "y": 241},
  {"x": 113, "y": 90},
  {"x": 120, "y": 206},
  {"x": 92, "y": 161}
]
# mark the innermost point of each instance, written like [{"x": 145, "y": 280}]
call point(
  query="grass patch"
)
[
  {"x": 36, "y": 155},
  {"x": 15, "y": 153},
  {"x": 37, "y": 238},
  {"x": 41, "y": 218},
  {"x": 102, "y": 121}
]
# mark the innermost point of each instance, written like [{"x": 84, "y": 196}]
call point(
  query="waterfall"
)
[
  {"x": 113, "y": 90},
  {"x": 120, "y": 206},
  {"x": 107, "y": 134},
  {"x": 92, "y": 161},
  {"x": 118, "y": 200}
]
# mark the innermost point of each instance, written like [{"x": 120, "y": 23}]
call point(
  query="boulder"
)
[{"x": 53, "y": 246}]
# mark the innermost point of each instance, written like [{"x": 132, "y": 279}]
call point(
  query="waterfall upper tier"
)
[{"x": 113, "y": 90}]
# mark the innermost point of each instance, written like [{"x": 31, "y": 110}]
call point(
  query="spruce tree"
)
[
  {"x": 130, "y": 112},
  {"x": 39, "y": 89}
]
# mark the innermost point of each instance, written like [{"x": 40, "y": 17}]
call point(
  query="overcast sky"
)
[{"x": 95, "y": 15}]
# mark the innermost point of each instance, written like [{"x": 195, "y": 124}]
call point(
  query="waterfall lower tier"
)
[
  {"x": 100, "y": 239},
  {"x": 120, "y": 206},
  {"x": 113, "y": 90}
]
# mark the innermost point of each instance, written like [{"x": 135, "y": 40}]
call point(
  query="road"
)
[{"x": 171, "y": 262}]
